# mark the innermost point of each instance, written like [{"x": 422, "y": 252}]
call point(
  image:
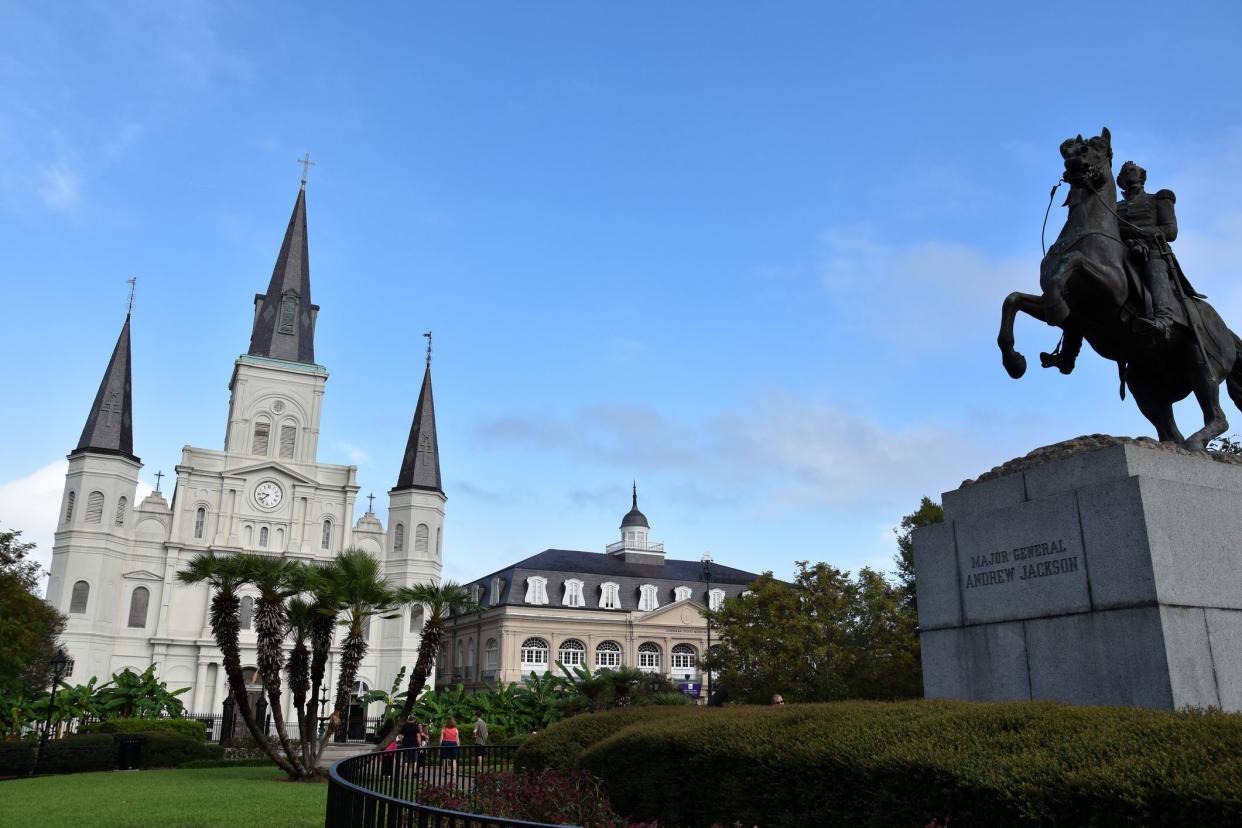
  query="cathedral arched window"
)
[
  {"x": 439, "y": 537},
  {"x": 262, "y": 436},
  {"x": 78, "y": 598},
  {"x": 420, "y": 539},
  {"x": 325, "y": 539},
  {"x": 246, "y": 615},
  {"x": 69, "y": 506},
  {"x": 263, "y": 537},
  {"x": 416, "y": 618},
  {"x": 200, "y": 520},
  {"x": 398, "y": 538},
  {"x": 120, "y": 510},
  {"x": 94, "y": 507},
  {"x": 138, "y": 607},
  {"x": 288, "y": 439}
]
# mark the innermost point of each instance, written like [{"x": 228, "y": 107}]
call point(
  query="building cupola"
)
[{"x": 634, "y": 546}]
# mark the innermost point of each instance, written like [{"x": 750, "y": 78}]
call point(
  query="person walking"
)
[
  {"x": 410, "y": 738},
  {"x": 450, "y": 740},
  {"x": 480, "y": 738}
]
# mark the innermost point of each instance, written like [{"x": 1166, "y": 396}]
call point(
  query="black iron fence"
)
[{"x": 381, "y": 790}]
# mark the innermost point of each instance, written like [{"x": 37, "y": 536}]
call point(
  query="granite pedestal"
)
[{"x": 1098, "y": 571}]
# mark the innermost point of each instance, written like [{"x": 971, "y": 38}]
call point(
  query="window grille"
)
[
  {"x": 121, "y": 504},
  {"x": 398, "y": 538},
  {"x": 684, "y": 658},
  {"x": 534, "y": 655},
  {"x": 288, "y": 437},
  {"x": 649, "y": 657},
  {"x": 200, "y": 518},
  {"x": 420, "y": 539},
  {"x": 262, "y": 431},
  {"x": 572, "y": 653},
  {"x": 81, "y": 594},
  {"x": 325, "y": 540},
  {"x": 246, "y": 616},
  {"x": 608, "y": 654},
  {"x": 94, "y": 507},
  {"x": 138, "y": 607},
  {"x": 69, "y": 506}
]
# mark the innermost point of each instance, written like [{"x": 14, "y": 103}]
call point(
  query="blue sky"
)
[{"x": 750, "y": 254}]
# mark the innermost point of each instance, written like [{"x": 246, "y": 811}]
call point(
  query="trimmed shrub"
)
[
  {"x": 184, "y": 727},
  {"x": 563, "y": 742},
  {"x": 170, "y": 750},
  {"x": 906, "y": 763},
  {"x": 16, "y": 758},
  {"x": 77, "y": 754}
]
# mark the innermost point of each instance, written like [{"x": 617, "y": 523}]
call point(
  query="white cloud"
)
[{"x": 60, "y": 187}]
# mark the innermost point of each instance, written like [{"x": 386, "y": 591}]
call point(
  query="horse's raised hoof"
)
[
  {"x": 1015, "y": 364},
  {"x": 1058, "y": 361}
]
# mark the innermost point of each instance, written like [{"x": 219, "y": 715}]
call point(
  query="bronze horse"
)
[{"x": 1091, "y": 291}]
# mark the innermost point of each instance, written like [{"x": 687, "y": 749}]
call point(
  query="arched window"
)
[
  {"x": 608, "y": 654},
  {"x": 398, "y": 538},
  {"x": 491, "y": 655},
  {"x": 78, "y": 598},
  {"x": 439, "y": 538},
  {"x": 94, "y": 507},
  {"x": 325, "y": 538},
  {"x": 649, "y": 657},
  {"x": 609, "y": 595},
  {"x": 715, "y": 599},
  {"x": 247, "y": 612},
  {"x": 69, "y": 506},
  {"x": 572, "y": 653},
  {"x": 536, "y": 590},
  {"x": 647, "y": 599},
  {"x": 534, "y": 655},
  {"x": 681, "y": 593},
  {"x": 420, "y": 539},
  {"x": 200, "y": 520},
  {"x": 263, "y": 537},
  {"x": 685, "y": 658},
  {"x": 461, "y": 656},
  {"x": 247, "y": 535},
  {"x": 280, "y": 537},
  {"x": 416, "y": 618},
  {"x": 469, "y": 659},
  {"x": 288, "y": 438},
  {"x": 573, "y": 594},
  {"x": 262, "y": 435},
  {"x": 138, "y": 607},
  {"x": 121, "y": 505}
]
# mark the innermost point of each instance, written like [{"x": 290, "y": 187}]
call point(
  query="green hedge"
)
[
  {"x": 184, "y": 727},
  {"x": 16, "y": 758},
  {"x": 903, "y": 764},
  {"x": 560, "y": 745},
  {"x": 77, "y": 754},
  {"x": 169, "y": 750}
]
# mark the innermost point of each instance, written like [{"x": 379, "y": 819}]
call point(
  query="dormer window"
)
[
  {"x": 715, "y": 599},
  {"x": 573, "y": 594},
  {"x": 681, "y": 593},
  {"x": 609, "y": 595},
  {"x": 536, "y": 590},
  {"x": 647, "y": 599},
  {"x": 498, "y": 585},
  {"x": 288, "y": 312}
]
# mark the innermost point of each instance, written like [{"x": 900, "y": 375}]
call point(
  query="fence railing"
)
[{"x": 381, "y": 790}]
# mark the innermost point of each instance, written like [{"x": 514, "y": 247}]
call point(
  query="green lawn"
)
[{"x": 164, "y": 798}]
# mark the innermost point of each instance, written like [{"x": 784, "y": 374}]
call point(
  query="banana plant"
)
[{"x": 393, "y": 698}]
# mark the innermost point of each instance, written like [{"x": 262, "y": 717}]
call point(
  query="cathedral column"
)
[{"x": 202, "y": 693}]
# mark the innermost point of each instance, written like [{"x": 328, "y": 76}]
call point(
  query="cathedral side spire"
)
[
  {"x": 109, "y": 427},
  {"x": 284, "y": 319},
  {"x": 420, "y": 468}
]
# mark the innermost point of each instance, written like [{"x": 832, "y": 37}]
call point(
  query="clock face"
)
[{"x": 268, "y": 494}]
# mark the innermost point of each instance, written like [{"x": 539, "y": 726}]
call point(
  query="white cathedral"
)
[{"x": 115, "y": 562}]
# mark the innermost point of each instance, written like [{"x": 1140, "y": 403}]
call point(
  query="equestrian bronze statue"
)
[{"x": 1111, "y": 278}]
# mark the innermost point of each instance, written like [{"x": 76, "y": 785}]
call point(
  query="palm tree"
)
[
  {"x": 361, "y": 592},
  {"x": 276, "y": 579},
  {"x": 225, "y": 575},
  {"x": 438, "y": 603},
  {"x": 299, "y": 614}
]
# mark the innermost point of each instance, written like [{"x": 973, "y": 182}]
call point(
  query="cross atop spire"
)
[
  {"x": 109, "y": 426},
  {"x": 306, "y": 165},
  {"x": 132, "y": 281},
  {"x": 428, "y": 335}
]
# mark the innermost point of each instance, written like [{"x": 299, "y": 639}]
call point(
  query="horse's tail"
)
[{"x": 1233, "y": 381}]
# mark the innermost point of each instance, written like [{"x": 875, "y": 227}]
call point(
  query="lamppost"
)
[
  {"x": 323, "y": 704},
  {"x": 59, "y": 663},
  {"x": 707, "y": 578}
]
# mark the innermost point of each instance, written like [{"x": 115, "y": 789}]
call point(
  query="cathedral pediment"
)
[
  {"x": 270, "y": 466},
  {"x": 141, "y": 575}
]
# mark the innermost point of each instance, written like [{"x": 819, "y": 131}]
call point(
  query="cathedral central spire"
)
[
  {"x": 109, "y": 427},
  {"x": 284, "y": 318}
]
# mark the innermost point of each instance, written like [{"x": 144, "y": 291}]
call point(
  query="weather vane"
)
[
  {"x": 428, "y": 335},
  {"x": 306, "y": 165},
  {"x": 132, "y": 281}
]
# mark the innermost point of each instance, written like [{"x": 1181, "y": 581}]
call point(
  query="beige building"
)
[{"x": 626, "y": 606}]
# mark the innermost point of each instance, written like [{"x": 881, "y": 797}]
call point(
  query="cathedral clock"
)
[{"x": 268, "y": 494}]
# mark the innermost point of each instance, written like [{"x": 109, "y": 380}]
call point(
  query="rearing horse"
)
[{"x": 1090, "y": 291}]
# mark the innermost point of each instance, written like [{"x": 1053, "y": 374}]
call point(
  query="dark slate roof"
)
[
  {"x": 596, "y": 568},
  {"x": 290, "y": 279},
  {"x": 109, "y": 427},
  {"x": 634, "y": 517},
  {"x": 420, "y": 467}
]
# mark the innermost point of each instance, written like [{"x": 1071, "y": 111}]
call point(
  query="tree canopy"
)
[{"x": 29, "y": 626}]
